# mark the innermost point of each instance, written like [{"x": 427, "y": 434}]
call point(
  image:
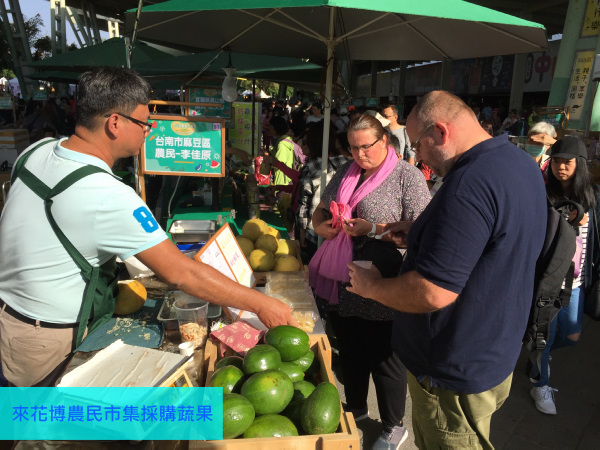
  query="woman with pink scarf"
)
[{"x": 365, "y": 194}]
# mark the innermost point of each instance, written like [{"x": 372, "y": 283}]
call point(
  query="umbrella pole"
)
[
  {"x": 138, "y": 178},
  {"x": 134, "y": 34},
  {"x": 254, "y": 127},
  {"x": 327, "y": 107}
]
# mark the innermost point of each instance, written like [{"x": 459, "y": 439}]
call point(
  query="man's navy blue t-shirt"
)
[{"x": 479, "y": 237}]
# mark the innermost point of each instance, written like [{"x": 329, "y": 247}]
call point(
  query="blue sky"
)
[{"x": 30, "y": 8}]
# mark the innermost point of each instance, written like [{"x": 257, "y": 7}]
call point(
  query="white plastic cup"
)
[
  {"x": 364, "y": 264},
  {"x": 186, "y": 348},
  {"x": 192, "y": 318}
]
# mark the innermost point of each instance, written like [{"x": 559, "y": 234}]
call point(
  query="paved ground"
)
[{"x": 575, "y": 372}]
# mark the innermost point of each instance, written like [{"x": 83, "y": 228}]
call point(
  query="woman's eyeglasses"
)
[{"x": 364, "y": 148}]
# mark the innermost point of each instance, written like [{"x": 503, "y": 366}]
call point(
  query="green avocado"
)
[
  {"x": 236, "y": 361},
  {"x": 294, "y": 371},
  {"x": 291, "y": 342},
  {"x": 321, "y": 411},
  {"x": 269, "y": 391},
  {"x": 230, "y": 378},
  {"x": 302, "y": 390},
  {"x": 261, "y": 357},
  {"x": 306, "y": 361},
  {"x": 238, "y": 415},
  {"x": 271, "y": 425}
]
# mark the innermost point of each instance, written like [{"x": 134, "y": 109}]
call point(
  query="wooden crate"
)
[
  {"x": 346, "y": 438},
  {"x": 261, "y": 277}
]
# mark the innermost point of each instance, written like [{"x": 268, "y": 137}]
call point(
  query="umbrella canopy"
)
[
  {"x": 320, "y": 30},
  {"x": 245, "y": 64},
  {"x": 61, "y": 76},
  {"x": 424, "y": 30},
  {"x": 111, "y": 52}
]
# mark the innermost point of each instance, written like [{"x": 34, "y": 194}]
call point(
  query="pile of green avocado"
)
[{"x": 271, "y": 391}]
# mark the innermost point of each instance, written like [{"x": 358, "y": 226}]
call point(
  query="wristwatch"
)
[{"x": 371, "y": 234}]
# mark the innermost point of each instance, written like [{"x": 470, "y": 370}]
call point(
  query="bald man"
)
[{"x": 464, "y": 293}]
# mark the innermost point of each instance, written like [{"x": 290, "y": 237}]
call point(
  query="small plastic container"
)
[
  {"x": 287, "y": 277},
  {"x": 364, "y": 264},
  {"x": 294, "y": 298},
  {"x": 186, "y": 348},
  {"x": 192, "y": 317},
  {"x": 306, "y": 319}
]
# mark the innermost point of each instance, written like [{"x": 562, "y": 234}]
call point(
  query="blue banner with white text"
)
[{"x": 115, "y": 413}]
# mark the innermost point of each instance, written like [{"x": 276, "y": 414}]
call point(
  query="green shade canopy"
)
[
  {"x": 381, "y": 30},
  {"x": 245, "y": 64},
  {"x": 111, "y": 52},
  {"x": 60, "y": 76},
  {"x": 321, "y": 30}
]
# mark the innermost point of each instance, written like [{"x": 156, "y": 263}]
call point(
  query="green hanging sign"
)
[
  {"x": 182, "y": 145},
  {"x": 40, "y": 95},
  {"x": 372, "y": 102},
  {"x": 222, "y": 109},
  {"x": 6, "y": 102}
]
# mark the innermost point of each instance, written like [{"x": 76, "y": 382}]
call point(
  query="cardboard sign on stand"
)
[{"x": 223, "y": 253}]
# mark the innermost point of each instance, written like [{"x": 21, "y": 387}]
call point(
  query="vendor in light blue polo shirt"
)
[{"x": 66, "y": 219}]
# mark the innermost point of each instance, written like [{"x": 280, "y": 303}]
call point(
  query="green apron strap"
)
[
  {"x": 66, "y": 182},
  {"x": 22, "y": 160},
  {"x": 91, "y": 274},
  {"x": 74, "y": 177},
  {"x": 33, "y": 182},
  {"x": 88, "y": 303}
]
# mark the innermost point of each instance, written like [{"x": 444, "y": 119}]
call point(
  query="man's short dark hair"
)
[
  {"x": 393, "y": 107},
  {"x": 108, "y": 90}
]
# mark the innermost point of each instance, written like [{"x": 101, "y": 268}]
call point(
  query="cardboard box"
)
[
  {"x": 346, "y": 437},
  {"x": 15, "y": 138},
  {"x": 12, "y": 143}
]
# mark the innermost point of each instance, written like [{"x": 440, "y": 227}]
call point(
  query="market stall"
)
[{"x": 151, "y": 348}]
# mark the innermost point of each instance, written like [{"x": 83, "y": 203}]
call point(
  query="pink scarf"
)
[{"x": 329, "y": 264}]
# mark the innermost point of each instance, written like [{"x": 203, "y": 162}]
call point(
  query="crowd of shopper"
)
[
  {"x": 452, "y": 261},
  {"x": 428, "y": 203}
]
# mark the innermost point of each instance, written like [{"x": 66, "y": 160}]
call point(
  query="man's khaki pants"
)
[
  {"x": 33, "y": 355},
  {"x": 447, "y": 419}
]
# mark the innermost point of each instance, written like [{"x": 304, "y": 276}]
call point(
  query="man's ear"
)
[
  {"x": 112, "y": 125},
  {"x": 442, "y": 133}
]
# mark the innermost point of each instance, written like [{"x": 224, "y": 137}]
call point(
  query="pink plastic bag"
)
[
  {"x": 339, "y": 213},
  {"x": 261, "y": 180}
]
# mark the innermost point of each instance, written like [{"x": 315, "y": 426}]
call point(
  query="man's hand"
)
[
  {"x": 399, "y": 231},
  {"x": 324, "y": 229},
  {"x": 275, "y": 313},
  {"x": 542, "y": 138},
  {"x": 363, "y": 281}
]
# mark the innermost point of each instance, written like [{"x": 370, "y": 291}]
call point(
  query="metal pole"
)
[
  {"x": 253, "y": 105},
  {"x": 589, "y": 121},
  {"x": 134, "y": 33},
  {"x": 327, "y": 107}
]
